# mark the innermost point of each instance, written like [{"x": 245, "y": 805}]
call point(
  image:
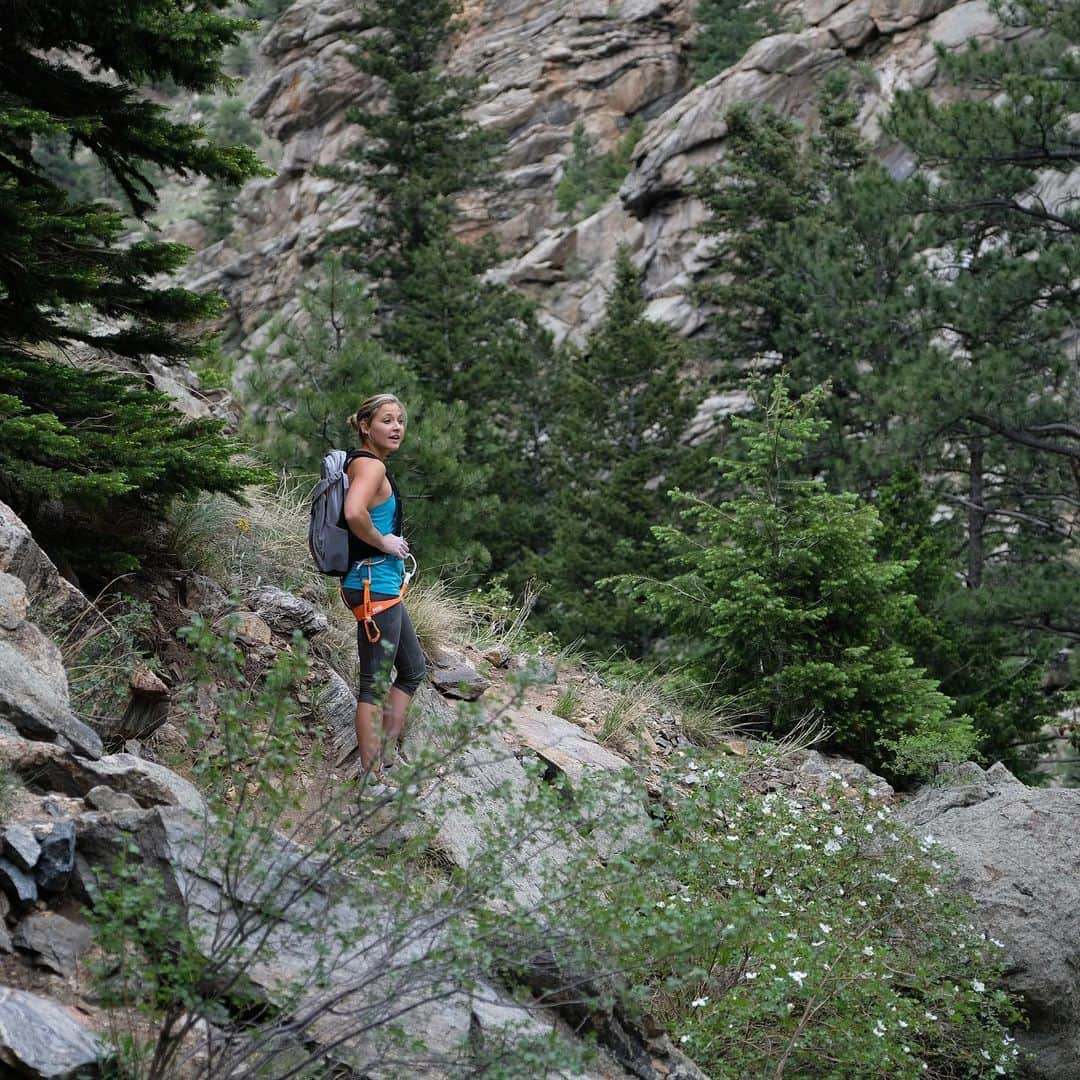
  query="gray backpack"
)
[{"x": 327, "y": 538}]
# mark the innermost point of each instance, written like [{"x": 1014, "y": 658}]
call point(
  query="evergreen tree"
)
[
  {"x": 102, "y": 443},
  {"x": 1009, "y": 258},
  {"x": 466, "y": 339},
  {"x": 589, "y": 179},
  {"x": 835, "y": 281},
  {"x": 621, "y": 409},
  {"x": 310, "y": 376},
  {"x": 777, "y": 596},
  {"x": 421, "y": 150},
  {"x": 817, "y": 272},
  {"x": 726, "y": 29}
]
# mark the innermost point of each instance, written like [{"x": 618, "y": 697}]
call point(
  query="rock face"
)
[
  {"x": 546, "y": 65},
  {"x": 33, "y": 682},
  {"x": 1018, "y": 850}
]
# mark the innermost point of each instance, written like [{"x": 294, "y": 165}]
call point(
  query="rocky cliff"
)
[{"x": 545, "y": 67}]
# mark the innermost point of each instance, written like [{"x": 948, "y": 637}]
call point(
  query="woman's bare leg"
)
[
  {"x": 395, "y": 712},
  {"x": 367, "y": 738}
]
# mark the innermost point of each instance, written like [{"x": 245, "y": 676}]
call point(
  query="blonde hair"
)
[{"x": 369, "y": 408}]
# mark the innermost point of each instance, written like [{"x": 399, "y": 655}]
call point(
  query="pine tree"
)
[
  {"x": 1009, "y": 253},
  {"x": 816, "y": 272},
  {"x": 776, "y": 596},
  {"x": 102, "y": 443},
  {"x": 420, "y": 151},
  {"x": 726, "y": 29},
  {"x": 466, "y": 339},
  {"x": 942, "y": 332},
  {"x": 622, "y": 408}
]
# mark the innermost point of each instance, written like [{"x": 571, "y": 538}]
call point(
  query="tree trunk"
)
[{"x": 976, "y": 513}]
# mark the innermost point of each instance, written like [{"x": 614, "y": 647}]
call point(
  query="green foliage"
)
[
  {"x": 777, "y": 593},
  {"x": 622, "y": 407},
  {"x": 421, "y": 150},
  {"x": 97, "y": 441},
  {"x": 807, "y": 936},
  {"x": 268, "y": 11},
  {"x": 228, "y": 123},
  {"x": 310, "y": 377},
  {"x": 761, "y": 929},
  {"x": 306, "y": 883},
  {"x": 106, "y": 447},
  {"x": 832, "y": 281},
  {"x": 590, "y": 179},
  {"x": 726, "y": 29}
]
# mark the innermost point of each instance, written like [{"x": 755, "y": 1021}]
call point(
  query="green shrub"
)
[
  {"x": 590, "y": 179},
  {"x": 778, "y": 594},
  {"x": 807, "y": 936},
  {"x": 726, "y": 29}
]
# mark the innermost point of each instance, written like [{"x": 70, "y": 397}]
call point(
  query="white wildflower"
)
[
  {"x": 878, "y": 1029},
  {"x": 797, "y": 977},
  {"x": 978, "y": 986},
  {"x": 699, "y": 1003},
  {"x": 831, "y": 847}
]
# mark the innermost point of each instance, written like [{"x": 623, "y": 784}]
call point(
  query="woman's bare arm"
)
[{"x": 366, "y": 477}]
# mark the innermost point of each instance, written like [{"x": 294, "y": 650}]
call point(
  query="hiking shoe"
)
[{"x": 376, "y": 786}]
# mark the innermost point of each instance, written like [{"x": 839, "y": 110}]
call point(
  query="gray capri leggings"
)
[{"x": 398, "y": 647}]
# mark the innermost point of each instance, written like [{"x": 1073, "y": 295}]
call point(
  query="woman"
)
[{"x": 385, "y": 637}]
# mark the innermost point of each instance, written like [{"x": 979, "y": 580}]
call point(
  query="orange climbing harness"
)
[{"x": 367, "y": 609}]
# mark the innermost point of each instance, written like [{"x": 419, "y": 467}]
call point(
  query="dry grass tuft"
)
[
  {"x": 240, "y": 546},
  {"x": 441, "y": 618},
  {"x": 499, "y": 620},
  {"x": 623, "y": 725}
]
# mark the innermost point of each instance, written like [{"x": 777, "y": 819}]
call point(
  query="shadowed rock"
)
[{"x": 1018, "y": 850}]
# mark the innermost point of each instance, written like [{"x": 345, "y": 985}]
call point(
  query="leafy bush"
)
[
  {"x": 778, "y": 594},
  {"x": 311, "y": 892},
  {"x": 809, "y": 936}
]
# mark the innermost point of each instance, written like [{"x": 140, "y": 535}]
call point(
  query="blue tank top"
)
[{"x": 386, "y": 571}]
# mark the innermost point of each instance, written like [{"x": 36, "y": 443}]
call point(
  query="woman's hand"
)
[{"x": 395, "y": 545}]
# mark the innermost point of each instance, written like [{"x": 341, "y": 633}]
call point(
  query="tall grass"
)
[{"x": 265, "y": 543}]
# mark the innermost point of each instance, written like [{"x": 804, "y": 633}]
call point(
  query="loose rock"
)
[
  {"x": 19, "y": 886},
  {"x": 55, "y": 943},
  {"x": 57, "y": 857},
  {"x": 39, "y": 1039},
  {"x": 21, "y": 847}
]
